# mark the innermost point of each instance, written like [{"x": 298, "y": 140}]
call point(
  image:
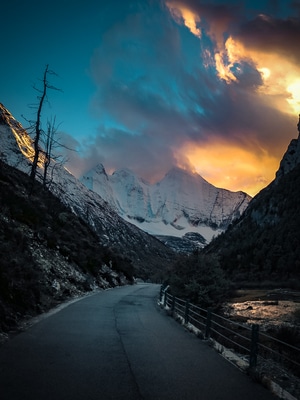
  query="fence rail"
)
[{"x": 254, "y": 346}]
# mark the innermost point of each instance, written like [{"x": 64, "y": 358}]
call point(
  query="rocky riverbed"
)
[{"x": 267, "y": 308}]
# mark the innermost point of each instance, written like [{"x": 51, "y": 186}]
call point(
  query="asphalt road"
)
[{"x": 118, "y": 344}]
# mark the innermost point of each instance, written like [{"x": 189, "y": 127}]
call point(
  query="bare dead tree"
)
[
  {"x": 48, "y": 147},
  {"x": 38, "y": 131},
  {"x": 51, "y": 142},
  {"x": 45, "y": 141}
]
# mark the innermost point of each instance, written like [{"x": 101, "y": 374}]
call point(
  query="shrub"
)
[
  {"x": 200, "y": 279},
  {"x": 288, "y": 335}
]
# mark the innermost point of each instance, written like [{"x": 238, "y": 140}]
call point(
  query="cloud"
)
[
  {"x": 214, "y": 18},
  {"x": 176, "y": 85},
  {"x": 229, "y": 165},
  {"x": 271, "y": 35}
]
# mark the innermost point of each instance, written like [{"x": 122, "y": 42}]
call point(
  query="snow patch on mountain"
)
[
  {"x": 16, "y": 145},
  {"x": 145, "y": 252},
  {"x": 179, "y": 203},
  {"x": 182, "y": 202}
]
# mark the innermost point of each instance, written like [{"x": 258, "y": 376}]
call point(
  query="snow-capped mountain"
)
[
  {"x": 147, "y": 253},
  {"x": 182, "y": 202}
]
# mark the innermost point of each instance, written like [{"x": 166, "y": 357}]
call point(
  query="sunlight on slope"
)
[{"x": 23, "y": 140}]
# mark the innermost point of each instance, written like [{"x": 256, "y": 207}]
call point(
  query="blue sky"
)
[{"x": 211, "y": 86}]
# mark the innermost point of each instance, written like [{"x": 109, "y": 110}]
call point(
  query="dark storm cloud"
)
[
  {"x": 214, "y": 17},
  {"x": 272, "y": 35},
  {"x": 157, "y": 89},
  {"x": 296, "y": 6},
  {"x": 249, "y": 120},
  {"x": 147, "y": 93}
]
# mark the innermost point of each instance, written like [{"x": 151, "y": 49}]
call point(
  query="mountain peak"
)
[
  {"x": 139, "y": 248},
  {"x": 5, "y": 115},
  {"x": 123, "y": 172},
  {"x": 181, "y": 202},
  {"x": 99, "y": 169},
  {"x": 175, "y": 170},
  {"x": 181, "y": 173}
]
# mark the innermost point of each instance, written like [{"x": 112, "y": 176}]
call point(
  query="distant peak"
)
[
  {"x": 100, "y": 169},
  {"x": 123, "y": 172},
  {"x": 177, "y": 172},
  {"x": 175, "y": 169}
]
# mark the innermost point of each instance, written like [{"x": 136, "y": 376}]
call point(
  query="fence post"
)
[
  {"x": 186, "y": 314},
  {"x": 208, "y": 324},
  {"x": 165, "y": 298},
  {"x": 173, "y": 305},
  {"x": 254, "y": 346}
]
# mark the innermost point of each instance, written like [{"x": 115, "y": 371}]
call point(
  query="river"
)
[{"x": 266, "y": 308}]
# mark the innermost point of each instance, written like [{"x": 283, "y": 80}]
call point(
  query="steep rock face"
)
[
  {"x": 16, "y": 145},
  {"x": 147, "y": 254},
  {"x": 181, "y": 202},
  {"x": 192, "y": 197},
  {"x": 290, "y": 159},
  {"x": 267, "y": 212}
]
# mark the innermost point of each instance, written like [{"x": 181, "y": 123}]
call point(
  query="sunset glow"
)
[
  {"x": 230, "y": 167},
  {"x": 294, "y": 90},
  {"x": 224, "y": 163},
  {"x": 280, "y": 76},
  {"x": 210, "y": 85},
  {"x": 190, "y": 19},
  {"x": 223, "y": 68}
]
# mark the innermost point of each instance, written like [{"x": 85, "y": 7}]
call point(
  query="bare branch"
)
[{"x": 36, "y": 127}]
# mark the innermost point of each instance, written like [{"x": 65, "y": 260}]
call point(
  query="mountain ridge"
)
[
  {"x": 179, "y": 203},
  {"x": 147, "y": 253}
]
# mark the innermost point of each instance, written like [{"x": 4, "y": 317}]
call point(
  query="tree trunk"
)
[{"x": 38, "y": 129}]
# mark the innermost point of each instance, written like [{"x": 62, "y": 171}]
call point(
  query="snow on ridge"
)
[
  {"x": 180, "y": 202},
  {"x": 112, "y": 230}
]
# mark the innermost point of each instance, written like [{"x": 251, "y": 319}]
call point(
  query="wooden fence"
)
[{"x": 247, "y": 341}]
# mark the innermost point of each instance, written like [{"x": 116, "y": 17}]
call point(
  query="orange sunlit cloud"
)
[
  {"x": 224, "y": 71},
  {"x": 294, "y": 90},
  {"x": 229, "y": 166},
  {"x": 224, "y": 163},
  {"x": 190, "y": 19},
  {"x": 280, "y": 76}
]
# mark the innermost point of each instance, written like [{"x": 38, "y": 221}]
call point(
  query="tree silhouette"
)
[{"x": 37, "y": 125}]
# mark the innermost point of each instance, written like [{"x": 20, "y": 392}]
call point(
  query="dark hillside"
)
[
  {"x": 264, "y": 245},
  {"x": 47, "y": 253}
]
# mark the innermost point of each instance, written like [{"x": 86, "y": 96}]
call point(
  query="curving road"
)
[{"x": 117, "y": 344}]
